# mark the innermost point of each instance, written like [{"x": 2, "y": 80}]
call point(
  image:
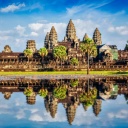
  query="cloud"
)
[
  {"x": 20, "y": 114},
  {"x": 36, "y": 117},
  {"x": 34, "y": 34},
  {"x": 122, "y": 30},
  {"x": 123, "y": 114},
  {"x": 12, "y": 8},
  {"x": 20, "y": 30},
  {"x": 35, "y": 26}
]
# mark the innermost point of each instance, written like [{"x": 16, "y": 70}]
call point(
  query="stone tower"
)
[
  {"x": 51, "y": 39},
  {"x": 85, "y": 37},
  {"x": 70, "y": 32},
  {"x": 31, "y": 99},
  {"x": 71, "y": 111},
  {"x": 46, "y": 40},
  {"x": 97, "y": 37},
  {"x": 97, "y": 107},
  {"x": 31, "y": 44}
]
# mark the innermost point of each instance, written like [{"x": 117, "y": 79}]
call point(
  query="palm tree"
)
[
  {"x": 43, "y": 52},
  {"x": 88, "y": 47},
  {"x": 59, "y": 52},
  {"x": 28, "y": 53},
  {"x": 74, "y": 61}
]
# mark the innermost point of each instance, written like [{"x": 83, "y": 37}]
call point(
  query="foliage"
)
[
  {"x": 89, "y": 47},
  {"x": 28, "y": 91},
  {"x": 74, "y": 61},
  {"x": 43, "y": 52},
  {"x": 74, "y": 83},
  {"x": 43, "y": 92},
  {"x": 89, "y": 97},
  {"x": 59, "y": 52},
  {"x": 60, "y": 92},
  {"x": 28, "y": 53}
]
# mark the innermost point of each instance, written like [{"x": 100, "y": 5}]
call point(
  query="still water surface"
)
[{"x": 108, "y": 109}]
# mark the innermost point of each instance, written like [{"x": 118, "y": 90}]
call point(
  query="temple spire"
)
[
  {"x": 51, "y": 39},
  {"x": 97, "y": 37}
]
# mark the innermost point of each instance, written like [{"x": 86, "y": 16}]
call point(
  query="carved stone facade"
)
[
  {"x": 97, "y": 107},
  {"x": 51, "y": 39},
  {"x": 31, "y": 44},
  {"x": 97, "y": 37},
  {"x": 7, "y": 49}
]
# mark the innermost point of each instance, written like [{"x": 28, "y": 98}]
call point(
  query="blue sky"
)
[{"x": 21, "y": 20}]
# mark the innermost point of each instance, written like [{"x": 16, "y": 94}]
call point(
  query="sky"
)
[
  {"x": 15, "y": 113},
  {"x": 22, "y": 20}
]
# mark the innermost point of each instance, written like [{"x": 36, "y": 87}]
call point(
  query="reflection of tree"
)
[
  {"x": 89, "y": 97},
  {"x": 51, "y": 105},
  {"x": 60, "y": 92},
  {"x": 43, "y": 92},
  {"x": 74, "y": 83}
]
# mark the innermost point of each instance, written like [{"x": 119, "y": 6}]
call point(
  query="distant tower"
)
[
  {"x": 51, "y": 39},
  {"x": 97, "y": 37},
  {"x": 97, "y": 107},
  {"x": 31, "y": 99},
  {"x": 31, "y": 44},
  {"x": 46, "y": 40},
  {"x": 7, "y": 95},
  {"x": 85, "y": 37},
  {"x": 71, "y": 111}
]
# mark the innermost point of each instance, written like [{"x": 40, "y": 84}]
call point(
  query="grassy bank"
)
[{"x": 66, "y": 73}]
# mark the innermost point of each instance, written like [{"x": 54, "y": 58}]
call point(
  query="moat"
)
[{"x": 60, "y": 101}]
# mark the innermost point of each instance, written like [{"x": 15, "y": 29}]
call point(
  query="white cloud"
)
[
  {"x": 20, "y": 30},
  {"x": 122, "y": 30},
  {"x": 123, "y": 114},
  {"x": 12, "y": 8},
  {"x": 35, "y": 26},
  {"x": 34, "y": 34},
  {"x": 20, "y": 114},
  {"x": 36, "y": 117}
]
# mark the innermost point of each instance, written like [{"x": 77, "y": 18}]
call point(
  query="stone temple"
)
[{"x": 108, "y": 56}]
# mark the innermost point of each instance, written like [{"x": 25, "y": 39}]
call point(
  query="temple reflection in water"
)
[{"x": 69, "y": 92}]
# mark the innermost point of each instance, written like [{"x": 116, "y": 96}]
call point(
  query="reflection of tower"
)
[
  {"x": 97, "y": 106},
  {"x": 71, "y": 111},
  {"x": 46, "y": 104},
  {"x": 51, "y": 105},
  {"x": 85, "y": 107},
  {"x": 7, "y": 95},
  {"x": 31, "y": 99}
]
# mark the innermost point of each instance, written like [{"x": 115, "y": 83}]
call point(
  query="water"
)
[{"x": 108, "y": 109}]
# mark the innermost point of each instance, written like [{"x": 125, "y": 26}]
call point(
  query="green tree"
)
[
  {"x": 88, "y": 98},
  {"x": 74, "y": 83},
  {"x": 28, "y": 91},
  {"x": 60, "y": 92},
  {"x": 28, "y": 53},
  {"x": 74, "y": 61},
  {"x": 59, "y": 53},
  {"x": 43, "y": 52},
  {"x": 88, "y": 47},
  {"x": 43, "y": 92}
]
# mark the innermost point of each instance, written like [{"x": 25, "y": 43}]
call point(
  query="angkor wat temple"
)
[{"x": 108, "y": 56}]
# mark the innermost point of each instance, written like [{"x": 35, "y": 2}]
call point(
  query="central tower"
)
[{"x": 70, "y": 32}]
